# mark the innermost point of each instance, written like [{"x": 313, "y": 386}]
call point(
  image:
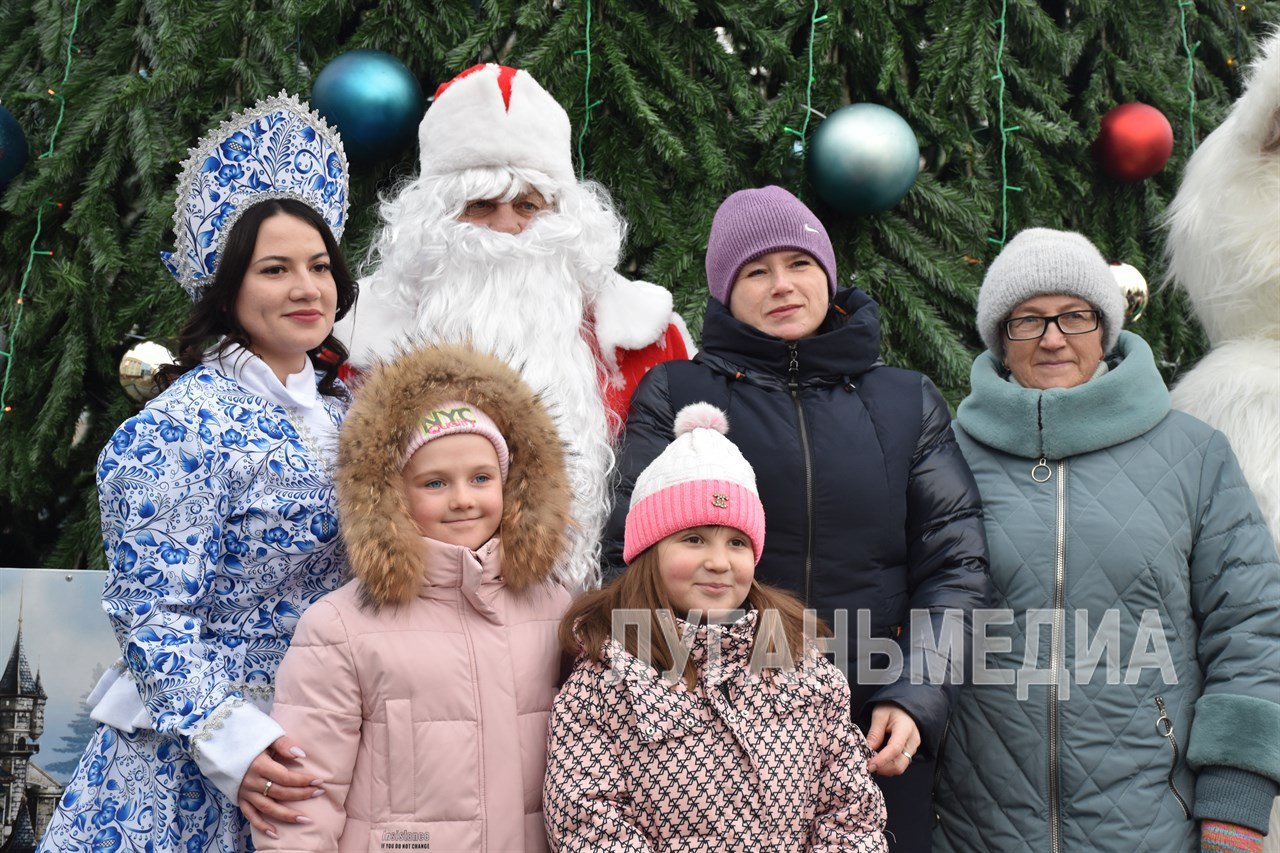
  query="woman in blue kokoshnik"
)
[{"x": 218, "y": 513}]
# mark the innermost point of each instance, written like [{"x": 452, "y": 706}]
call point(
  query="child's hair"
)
[{"x": 588, "y": 625}]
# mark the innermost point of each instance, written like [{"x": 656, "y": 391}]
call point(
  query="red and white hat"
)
[
  {"x": 701, "y": 478},
  {"x": 494, "y": 115}
]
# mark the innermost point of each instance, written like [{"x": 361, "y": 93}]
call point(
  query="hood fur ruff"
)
[{"x": 383, "y": 543}]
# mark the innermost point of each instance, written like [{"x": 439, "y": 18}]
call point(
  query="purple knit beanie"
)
[{"x": 751, "y": 223}]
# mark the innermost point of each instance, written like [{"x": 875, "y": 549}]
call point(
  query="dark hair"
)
[
  {"x": 214, "y": 314},
  {"x": 588, "y": 624}
]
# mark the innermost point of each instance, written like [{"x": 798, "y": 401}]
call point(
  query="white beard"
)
[{"x": 522, "y": 299}]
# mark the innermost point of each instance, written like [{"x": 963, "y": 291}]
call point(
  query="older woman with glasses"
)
[{"x": 1128, "y": 697}]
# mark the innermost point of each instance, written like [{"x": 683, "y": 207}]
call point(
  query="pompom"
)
[{"x": 701, "y": 416}]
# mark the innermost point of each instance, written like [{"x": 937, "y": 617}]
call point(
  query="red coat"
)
[{"x": 633, "y": 364}]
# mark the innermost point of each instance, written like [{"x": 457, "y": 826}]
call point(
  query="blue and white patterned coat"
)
[{"x": 219, "y": 527}]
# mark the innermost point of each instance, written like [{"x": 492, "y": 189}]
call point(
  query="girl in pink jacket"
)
[
  {"x": 422, "y": 688},
  {"x": 700, "y": 716}
]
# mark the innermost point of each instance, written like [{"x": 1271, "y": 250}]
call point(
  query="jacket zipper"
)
[
  {"x": 794, "y": 385},
  {"x": 475, "y": 692},
  {"x": 1055, "y": 643},
  {"x": 1164, "y": 726}
]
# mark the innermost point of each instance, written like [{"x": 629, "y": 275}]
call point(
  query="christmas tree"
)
[{"x": 675, "y": 104}]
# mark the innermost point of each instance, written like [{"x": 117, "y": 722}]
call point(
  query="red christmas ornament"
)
[{"x": 1134, "y": 142}]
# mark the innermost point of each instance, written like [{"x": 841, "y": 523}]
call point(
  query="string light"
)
[
  {"x": 1238, "y": 11},
  {"x": 586, "y": 95},
  {"x": 1005, "y": 186},
  {"x": 809, "y": 111},
  {"x": 32, "y": 251},
  {"x": 1190, "y": 50}
]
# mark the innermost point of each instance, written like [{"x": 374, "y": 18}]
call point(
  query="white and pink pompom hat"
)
[{"x": 700, "y": 479}]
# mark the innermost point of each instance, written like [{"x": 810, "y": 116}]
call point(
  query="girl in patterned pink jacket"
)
[{"x": 700, "y": 716}]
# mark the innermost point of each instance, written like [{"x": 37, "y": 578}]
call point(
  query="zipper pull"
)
[
  {"x": 793, "y": 370},
  {"x": 1164, "y": 725},
  {"x": 1041, "y": 472}
]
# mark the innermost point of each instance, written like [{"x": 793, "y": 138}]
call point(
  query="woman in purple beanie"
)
[{"x": 871, "y": 512}]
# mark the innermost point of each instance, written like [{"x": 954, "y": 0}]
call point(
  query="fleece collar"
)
[{"x": 1121, "y": 404}]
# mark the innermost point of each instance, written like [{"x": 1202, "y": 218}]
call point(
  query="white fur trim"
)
[
  {"x": 689, "y": 346},
  {"x": 230, "y": 741},
  {"x": 374, "y": 326},
  {"x": 1224, "y": 246},
  {"x": 470, "y": 126},
  {"x": 629, "y": 315},
  {"x": 1236, "y": 389}
]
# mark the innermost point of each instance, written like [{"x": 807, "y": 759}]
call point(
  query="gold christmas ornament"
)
[
  {"x": 1133, "y": 285},
  {"x": 138, "y": 370}
]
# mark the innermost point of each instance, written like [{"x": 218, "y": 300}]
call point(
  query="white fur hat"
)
[{"x": 493, "y": 115}]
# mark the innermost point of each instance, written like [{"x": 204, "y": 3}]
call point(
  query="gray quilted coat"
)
[{"x": 1116, "y": 519}]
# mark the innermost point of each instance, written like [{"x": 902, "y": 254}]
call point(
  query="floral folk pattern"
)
[
  {"x": 219, "y": 527},
  {"x": 278, "y": 149}
]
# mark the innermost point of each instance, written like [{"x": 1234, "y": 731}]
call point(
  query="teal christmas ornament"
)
[
  {"x": 373, "y": 100},
  {"x": 863, "y": 159},
  {"x": 13, "y": 147}
]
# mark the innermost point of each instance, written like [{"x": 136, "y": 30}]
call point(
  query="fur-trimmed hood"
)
[{"x": 384, "y": 545}]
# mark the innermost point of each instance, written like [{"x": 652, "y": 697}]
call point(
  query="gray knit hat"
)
[{"x": 1040, "y": 261}]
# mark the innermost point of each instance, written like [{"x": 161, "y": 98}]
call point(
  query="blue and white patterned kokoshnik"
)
[{"x": 279, "y": 148}]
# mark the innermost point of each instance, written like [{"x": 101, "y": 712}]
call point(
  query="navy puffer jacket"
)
[{"x": 868, "y": 502}]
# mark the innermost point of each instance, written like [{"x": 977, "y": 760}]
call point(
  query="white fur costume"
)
[
  {"x": 548, "y": 300},
  {"x": 1224, "y": 250}
]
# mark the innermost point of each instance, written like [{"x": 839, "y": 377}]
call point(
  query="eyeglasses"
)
[{"x": 1069, "y": 323}]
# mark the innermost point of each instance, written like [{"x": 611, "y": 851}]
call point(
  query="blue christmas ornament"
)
[
  {"x": 863, "y": 159},
  {"x": 373, "y": 100},
  {"x": 13, "y": 147}
]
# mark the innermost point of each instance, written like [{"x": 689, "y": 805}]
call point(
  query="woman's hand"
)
[
  {"x": 268, "y": 782},
  {"x": 904, "y": 740}
]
